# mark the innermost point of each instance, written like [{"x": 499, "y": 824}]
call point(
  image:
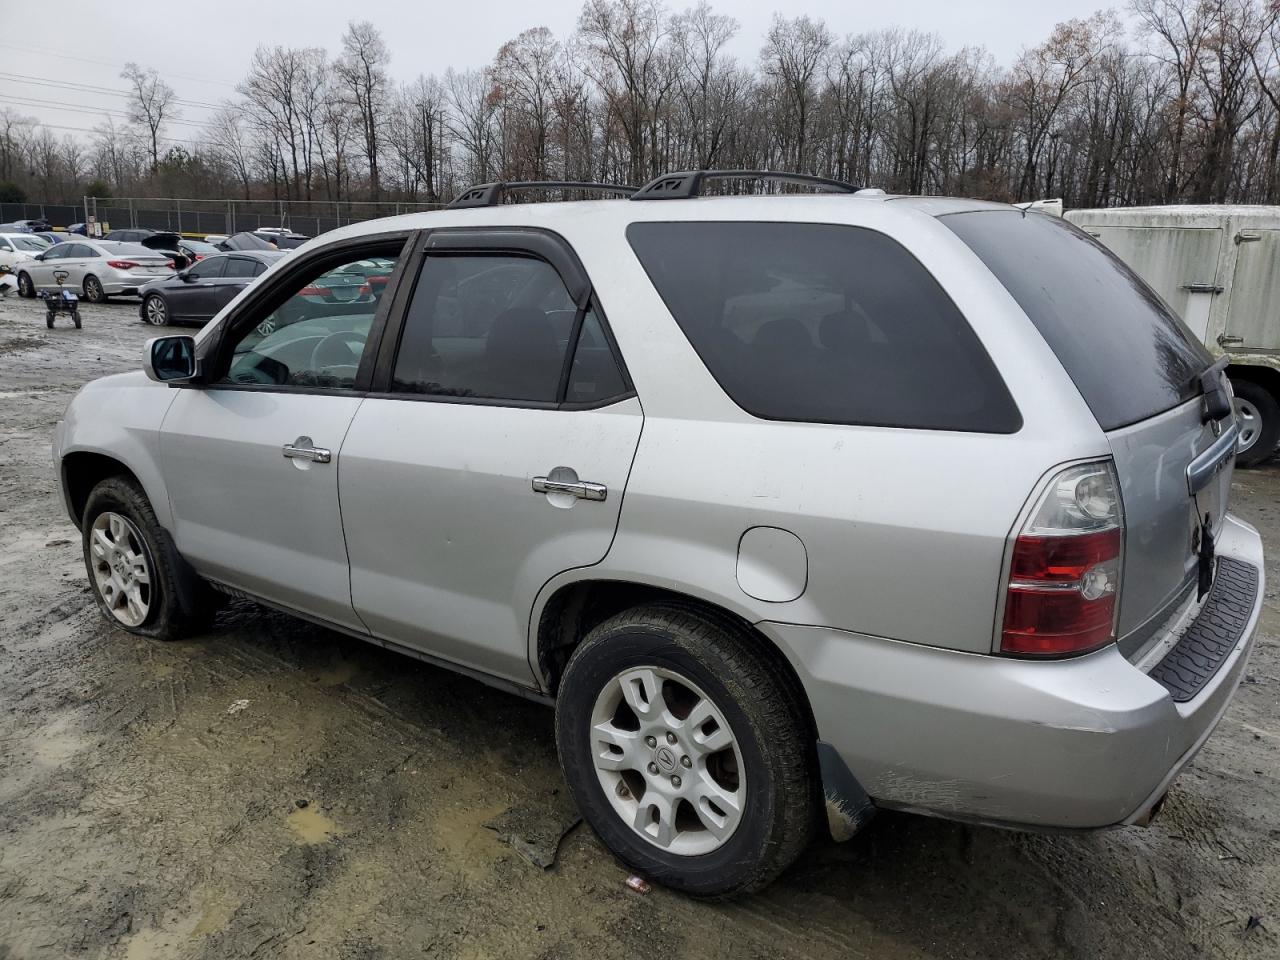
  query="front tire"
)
[
  {"x": 140, "y": 581},
  {"x": 156, "y": 310},
  {"x": 93, "y": 291},
  {"x": 26, "y": 289},
  {"x": 1258, "y": 414},
  {"x": 688, "y": 751}
]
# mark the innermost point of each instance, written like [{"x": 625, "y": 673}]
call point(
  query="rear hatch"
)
[{"x": 1142, "y": 373}]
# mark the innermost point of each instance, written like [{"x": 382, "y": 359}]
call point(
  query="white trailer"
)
[{"x": 1219, "y": 268}]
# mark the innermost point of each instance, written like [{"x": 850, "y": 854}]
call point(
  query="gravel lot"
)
[{"x": 275, "y": 790}]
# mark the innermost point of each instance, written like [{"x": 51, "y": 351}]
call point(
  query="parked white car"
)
[
  {"x": 16, "y": 248},
  {"x": 96, "y": 268},
  {"x": 1218, "y": 266}
]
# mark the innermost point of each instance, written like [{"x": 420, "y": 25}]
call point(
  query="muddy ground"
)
[{"x": 271, "y": 789}]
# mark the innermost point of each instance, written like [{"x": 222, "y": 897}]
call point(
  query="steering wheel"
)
[{"x": 341, "y": 349}]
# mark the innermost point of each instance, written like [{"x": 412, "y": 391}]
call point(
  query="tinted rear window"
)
[
  {"x": 1130, "y": 356},
  {"x": 824, "y": 323}
]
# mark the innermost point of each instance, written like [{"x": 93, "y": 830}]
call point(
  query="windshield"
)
[
  {"x": 1129, "y": 355},
  {"x": 30, "y": 244},
  {"x": 200, "y": 247}
]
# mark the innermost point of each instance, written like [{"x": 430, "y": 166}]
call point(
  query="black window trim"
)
[
  {"x": 213, "y": 350},
  {"x": 1018, "y": 425},
  {"x": 495, "y": 241}
]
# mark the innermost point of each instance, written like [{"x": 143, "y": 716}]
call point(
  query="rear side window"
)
[
  {"x": 1129, "y": 355},
  {"x": 824, "y": 323},
  {"x": 239, "y": 267}
]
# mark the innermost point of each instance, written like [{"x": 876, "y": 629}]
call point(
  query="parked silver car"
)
[
  {"x": 793, "y": 506},
  {"x": 96, "y": 268}
]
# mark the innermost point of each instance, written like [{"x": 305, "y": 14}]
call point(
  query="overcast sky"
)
[{"x": 204, "y": 50}]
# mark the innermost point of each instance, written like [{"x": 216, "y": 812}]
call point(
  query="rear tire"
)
[
  {"x": 709, "y": 785},
  {"x": 26, "y": 289},
  {"x": 139, "y": 579},
  {"x": 1258, "y": 413},
  {"x": 156, "y": 310},
  {"x": 93, "y": 291}
]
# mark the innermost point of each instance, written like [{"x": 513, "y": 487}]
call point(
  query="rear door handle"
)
[
  {"x": 303, "y": 449},
  {"x": 582, "y": 489}
]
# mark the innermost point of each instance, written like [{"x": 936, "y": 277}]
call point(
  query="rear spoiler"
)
[{"x": 1051, "y": 208}]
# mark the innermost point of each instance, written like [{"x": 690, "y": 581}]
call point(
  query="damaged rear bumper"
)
[{"x": 1082, "y": 743}]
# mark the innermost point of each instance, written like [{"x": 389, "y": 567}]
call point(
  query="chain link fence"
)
[{"x": 202, "y": 217}]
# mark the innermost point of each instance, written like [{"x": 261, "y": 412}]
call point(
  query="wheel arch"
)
[
  {"x": 1265, "y": 376},
  {"x": 81, "y": 471},
  {"x": 572, "y": 609}
]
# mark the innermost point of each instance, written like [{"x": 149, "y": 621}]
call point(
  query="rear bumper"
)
[{"x": 1082, "y": 743}]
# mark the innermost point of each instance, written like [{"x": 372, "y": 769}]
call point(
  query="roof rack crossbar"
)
[
  {"x": 689, "y": 183},
  {"x": 492, "y": 194}
]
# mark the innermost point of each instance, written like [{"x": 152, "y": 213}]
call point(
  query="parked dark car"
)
[
  {"x": 194, "y": 295},
  {"x": 196, "y": 250},
  {"x": 33, "y": 226},
  {"x": 52, "y": 237},
  {"x": 80, "y": 228},
  {"x": 281, "y": 240},
  {"x": 246, "y": 241}
]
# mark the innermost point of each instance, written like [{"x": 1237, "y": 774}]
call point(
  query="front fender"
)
[{"x": 118, "y": 418}]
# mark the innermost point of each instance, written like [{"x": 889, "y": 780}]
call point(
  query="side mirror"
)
[
  {"x": 171, "y": 359},
  {"x": 40, "y": 255},
  {"x": 184, "y": 276}
]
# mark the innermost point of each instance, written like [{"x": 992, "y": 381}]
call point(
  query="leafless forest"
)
[{"x": 1165, "y": 100}]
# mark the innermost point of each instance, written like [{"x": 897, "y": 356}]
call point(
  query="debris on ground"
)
[
  {"x": 637, "y": 883},
  {"x": 237, "y": 706},
  {"x": 534, "y": 829}
]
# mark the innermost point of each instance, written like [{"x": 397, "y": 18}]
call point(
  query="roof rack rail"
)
[
  {"x": 491, "y": 194},
  {"x": 689, "y": 183}
]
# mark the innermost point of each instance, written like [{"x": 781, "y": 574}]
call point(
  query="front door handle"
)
[
  {"x": 303, "y": 449},
  {"x": 582, "y": 489}
]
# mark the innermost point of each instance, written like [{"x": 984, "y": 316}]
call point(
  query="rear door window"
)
[
  {"x": 824, "y": 323},
  {"x": 1129, "y": 355},
  {"x": 501, "y": 327}
]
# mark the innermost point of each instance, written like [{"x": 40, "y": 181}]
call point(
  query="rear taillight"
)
[
  {"x": 121, "y": 264},
  {"x": 312, "y": 292},
  {"x": 1064, "y": 576}
]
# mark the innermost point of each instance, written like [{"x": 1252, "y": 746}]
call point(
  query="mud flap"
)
[{"x": 847, "y": 805}]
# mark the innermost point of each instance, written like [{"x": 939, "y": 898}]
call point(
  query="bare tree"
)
[
  {"x": 793, "y": 56},
  {"x": 152, "y": 101},
  {"x": 363, "y": 71}
]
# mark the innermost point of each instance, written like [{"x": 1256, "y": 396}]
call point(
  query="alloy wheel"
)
[
  {"x": 668, "y": 761},
  {"x": 121, "y": 568},
  {"x": 157, "y": 311},
  {"x": 93, "y": 290}
]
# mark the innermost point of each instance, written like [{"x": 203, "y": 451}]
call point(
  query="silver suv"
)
[{"x": 792, "y": 506}]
